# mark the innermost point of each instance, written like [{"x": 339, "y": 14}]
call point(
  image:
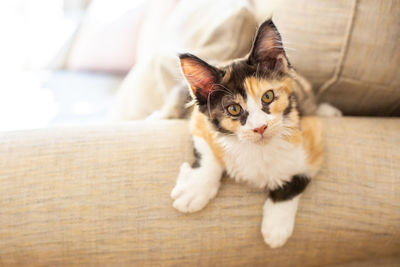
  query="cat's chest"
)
[{"x": 263, "y": 165}]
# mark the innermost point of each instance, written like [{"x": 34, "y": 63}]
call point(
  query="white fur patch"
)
[
  {"x": 327, "y": 110},
  {"x": 256, "y": 117},
  {"x": 262, "y": 166},
  {"x": 278, "y": 221},
  {"x": 196, "y": 186}
]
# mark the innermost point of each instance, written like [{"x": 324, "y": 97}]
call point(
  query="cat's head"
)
[{"x": 250, "y": 98}]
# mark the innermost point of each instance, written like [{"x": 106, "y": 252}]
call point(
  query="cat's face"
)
[{"x": 249, "y": 98}]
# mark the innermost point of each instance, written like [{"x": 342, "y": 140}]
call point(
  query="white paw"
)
[
  {"x": 278, "y": 221},
  {"x": 193, "y": 189},
  {"x": 276, "y": 232},
  {"x": 327, "y": 110}
]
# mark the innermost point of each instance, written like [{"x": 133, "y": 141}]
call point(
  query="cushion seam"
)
[{"x": 343, "y": 52}]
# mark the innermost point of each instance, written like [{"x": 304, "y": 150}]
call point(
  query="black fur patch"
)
[
  {"x": 290, "y": 189},
  {"x": 265, "y": 108},
  {"x": 197, "y": 158},
  {"x": 219, "y": 128},
  {"x": 243, "y": 117},
  {"x": 288, "y": 109}
]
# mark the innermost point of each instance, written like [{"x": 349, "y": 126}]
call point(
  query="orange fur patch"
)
[
  {"x": 229, "y": 124},
  {"x": 200, "y": 127},
  {"x": 311, "y": 129},
  {"x": 283, "y": 91},
  {"x": 279, "y": 105},
  {"x": 255, "y": 87},
  {"x": 296, "y": 138}
]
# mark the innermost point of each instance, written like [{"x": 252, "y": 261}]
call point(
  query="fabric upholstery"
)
[
  {"x": 386, "y": 262},
  {"x": 99, "y": 195},
  {"x": 347, "y": 49}
]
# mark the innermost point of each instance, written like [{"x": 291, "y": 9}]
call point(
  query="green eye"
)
[
  {"x": 234, "y": 109},
  {"x": 268, "y": 97}
]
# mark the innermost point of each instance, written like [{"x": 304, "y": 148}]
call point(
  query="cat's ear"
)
[
  {"x": 267, "y": 50},
  {"x": 201, "y": 76}
]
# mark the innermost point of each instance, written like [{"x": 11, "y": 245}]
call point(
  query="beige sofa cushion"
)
[
  {"x": 217, "y": 30},
  {"x": 348, "y": 49},
  {"x": 100, "y": 196}
]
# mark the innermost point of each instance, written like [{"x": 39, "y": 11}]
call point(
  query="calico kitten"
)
[{"x": 246, "y": 122}]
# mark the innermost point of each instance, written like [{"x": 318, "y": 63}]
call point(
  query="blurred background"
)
[{"x": 62, "y": 60}]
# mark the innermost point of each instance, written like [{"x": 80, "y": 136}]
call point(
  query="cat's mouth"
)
[
  {"x": 256, "y": 138},
  {"x": 262, "y": 139}
]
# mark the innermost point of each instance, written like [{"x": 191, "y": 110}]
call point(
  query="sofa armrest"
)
[{"x": 100, "y": 195}]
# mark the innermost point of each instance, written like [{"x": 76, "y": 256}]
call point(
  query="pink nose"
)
[{"x": 261, "y": 129}]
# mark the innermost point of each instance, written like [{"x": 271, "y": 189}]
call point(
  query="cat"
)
[{"x": 245, "y": 121}]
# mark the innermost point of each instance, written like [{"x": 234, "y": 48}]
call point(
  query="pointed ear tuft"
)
[
  {"x": 200, "y": 75},
  {"x": 268, "y": 49}
]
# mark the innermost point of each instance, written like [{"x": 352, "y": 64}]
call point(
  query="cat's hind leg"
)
[
  {"x": 197, "y": 184},
  {"x": 327, "y": 110},
  {"x": 175, "y": 105}
]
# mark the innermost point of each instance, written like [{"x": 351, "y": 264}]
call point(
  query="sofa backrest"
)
[{"x": 348, "y": 49}]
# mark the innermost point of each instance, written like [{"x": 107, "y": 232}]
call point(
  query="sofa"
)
[
  {"x": 93, "y": 195},
  {"x": 100, "y": 196}
]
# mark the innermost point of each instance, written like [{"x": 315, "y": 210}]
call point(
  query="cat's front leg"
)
[
  {"x": 197, "y": 184},
  {"x": 280, "y": 209}
]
